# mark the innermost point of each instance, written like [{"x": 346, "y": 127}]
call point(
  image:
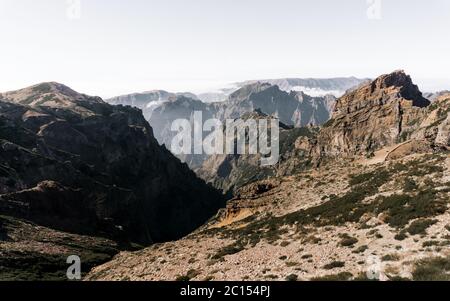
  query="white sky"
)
[{"x": 123, "y": 46}]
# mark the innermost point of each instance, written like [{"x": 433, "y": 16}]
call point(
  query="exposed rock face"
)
[
  {"x": 229, "y": 172},
  {"x": 435, "y": 127},
  {"x": 373, "y": 116},
  {"x": 147, "y": 101},
  {"x": 293, "y": 109},
  {"x": 74, "y": 163}
]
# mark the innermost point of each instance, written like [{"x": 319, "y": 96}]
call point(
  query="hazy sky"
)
[{"x": 121, "y": 46}]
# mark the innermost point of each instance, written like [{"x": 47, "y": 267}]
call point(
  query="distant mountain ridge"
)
[
  {"x": 294, "y": 109},
  {"x": 388, "y": 112},
  {"x": 312, "y": 86}
]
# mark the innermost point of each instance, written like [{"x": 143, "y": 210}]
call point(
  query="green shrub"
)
[
  {"x": 390, "y": 257},
  {"x": 420, "y": 226},
  {"x": 285, "y": 244},
  {"x": 334, "y": 265},
  {"x": 182, "y": 279},
  {"x": 348, "y": 241},
  {"x": 432, "y": 269},
  {"x": 409, "y": 185},
  {"x": 228, "y": 250},
  {"x": 403, "y": 208},
  {"x": 344, "y": 276},
  {"x": 431, "y": 243},
  {"x": 361, "y": 249},
  {"x": 401, "y": 235},
  {"x": 292, "y": 277}
]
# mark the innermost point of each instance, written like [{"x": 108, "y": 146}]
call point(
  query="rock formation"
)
[
  {"x": 75, "y": 163},
  {"x": 377, "y": 114}
]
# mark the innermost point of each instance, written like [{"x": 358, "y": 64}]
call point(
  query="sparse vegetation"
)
[
  {"x": 361, "y": 249},
  {"x": 409, "y": 185},
  {"x": 401, "y": 235},
  {"x": 292, "y": 277},
  {"x": 390, "y": 257},
  {"x": 284, "y": 244},
  {"x": 348, "y": 241},
  {"x": 344, "y": 276},
  {"x": 420, "y": 226},
  {"x": 228, "y": 250},
  {"x": 432, "y": 269},
  {"x": 334, "y": 265}
]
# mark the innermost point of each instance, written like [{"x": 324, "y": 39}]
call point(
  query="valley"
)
[{"x": 361, "y": 189}]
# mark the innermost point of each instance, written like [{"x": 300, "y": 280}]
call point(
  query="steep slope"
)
[
  {"x": 147, "y": 101},
  {"x": 73, "y": 163},
  {"x": 229, "y": 172},
  {"x": 376, "y": 115},
  {"x": 347, "y": 218},
  {"x": 346, "y": 221},
  {"x": 293, "y": 109}
]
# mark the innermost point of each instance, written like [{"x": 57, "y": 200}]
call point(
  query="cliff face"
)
[
  {"x": 388, "y": 114},
  {"x": 293, "y": 109},
  {"x": 377, "y": 114},
  {"x": 74, "y": 163},
  {"x": 229, "y": 172}
]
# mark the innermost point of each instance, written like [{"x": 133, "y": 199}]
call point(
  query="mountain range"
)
[
  {"x": 370, "y": 201},
  {"x": 77, "y": 166},
  {"x": 364, "y": 175},
  {"x": 294, "y": 109}
]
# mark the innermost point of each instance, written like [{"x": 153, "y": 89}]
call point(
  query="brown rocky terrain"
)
[
  {"x": 75, "y": 164},
  {"x": 295, "y": 109},
  {"x": 378, "y": 114},
  {"x": 387, "y": 114},
  {"x": 334, "y": 223},
  {"x": 373, "y": 205},
  {"x": 229, "y": 172}
]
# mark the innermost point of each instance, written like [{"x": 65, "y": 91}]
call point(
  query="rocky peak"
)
[
  {"x": 108, "y": 155},
  {"x": 48, "y": 90},
  {"x": 55, "y": 96},
  {"x": 388, "y": 88},
  {"x": 246, "y": 91},
  {"x": 377, "y": 114}
]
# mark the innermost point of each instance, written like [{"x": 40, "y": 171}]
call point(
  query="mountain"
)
[
  {"x": 312, "y": 86},
  {"x": 230, "y": 172},
  {"x": 147, "y": 101},
  {"x": 376, "y": 115},
  {"x": 73, "y": 164},
  {"x": 315, "y": 87},
  {"x": 372, "y": 204},
  {"x": 434, "y": 95},
  {"x": 293, "y": 109}
]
